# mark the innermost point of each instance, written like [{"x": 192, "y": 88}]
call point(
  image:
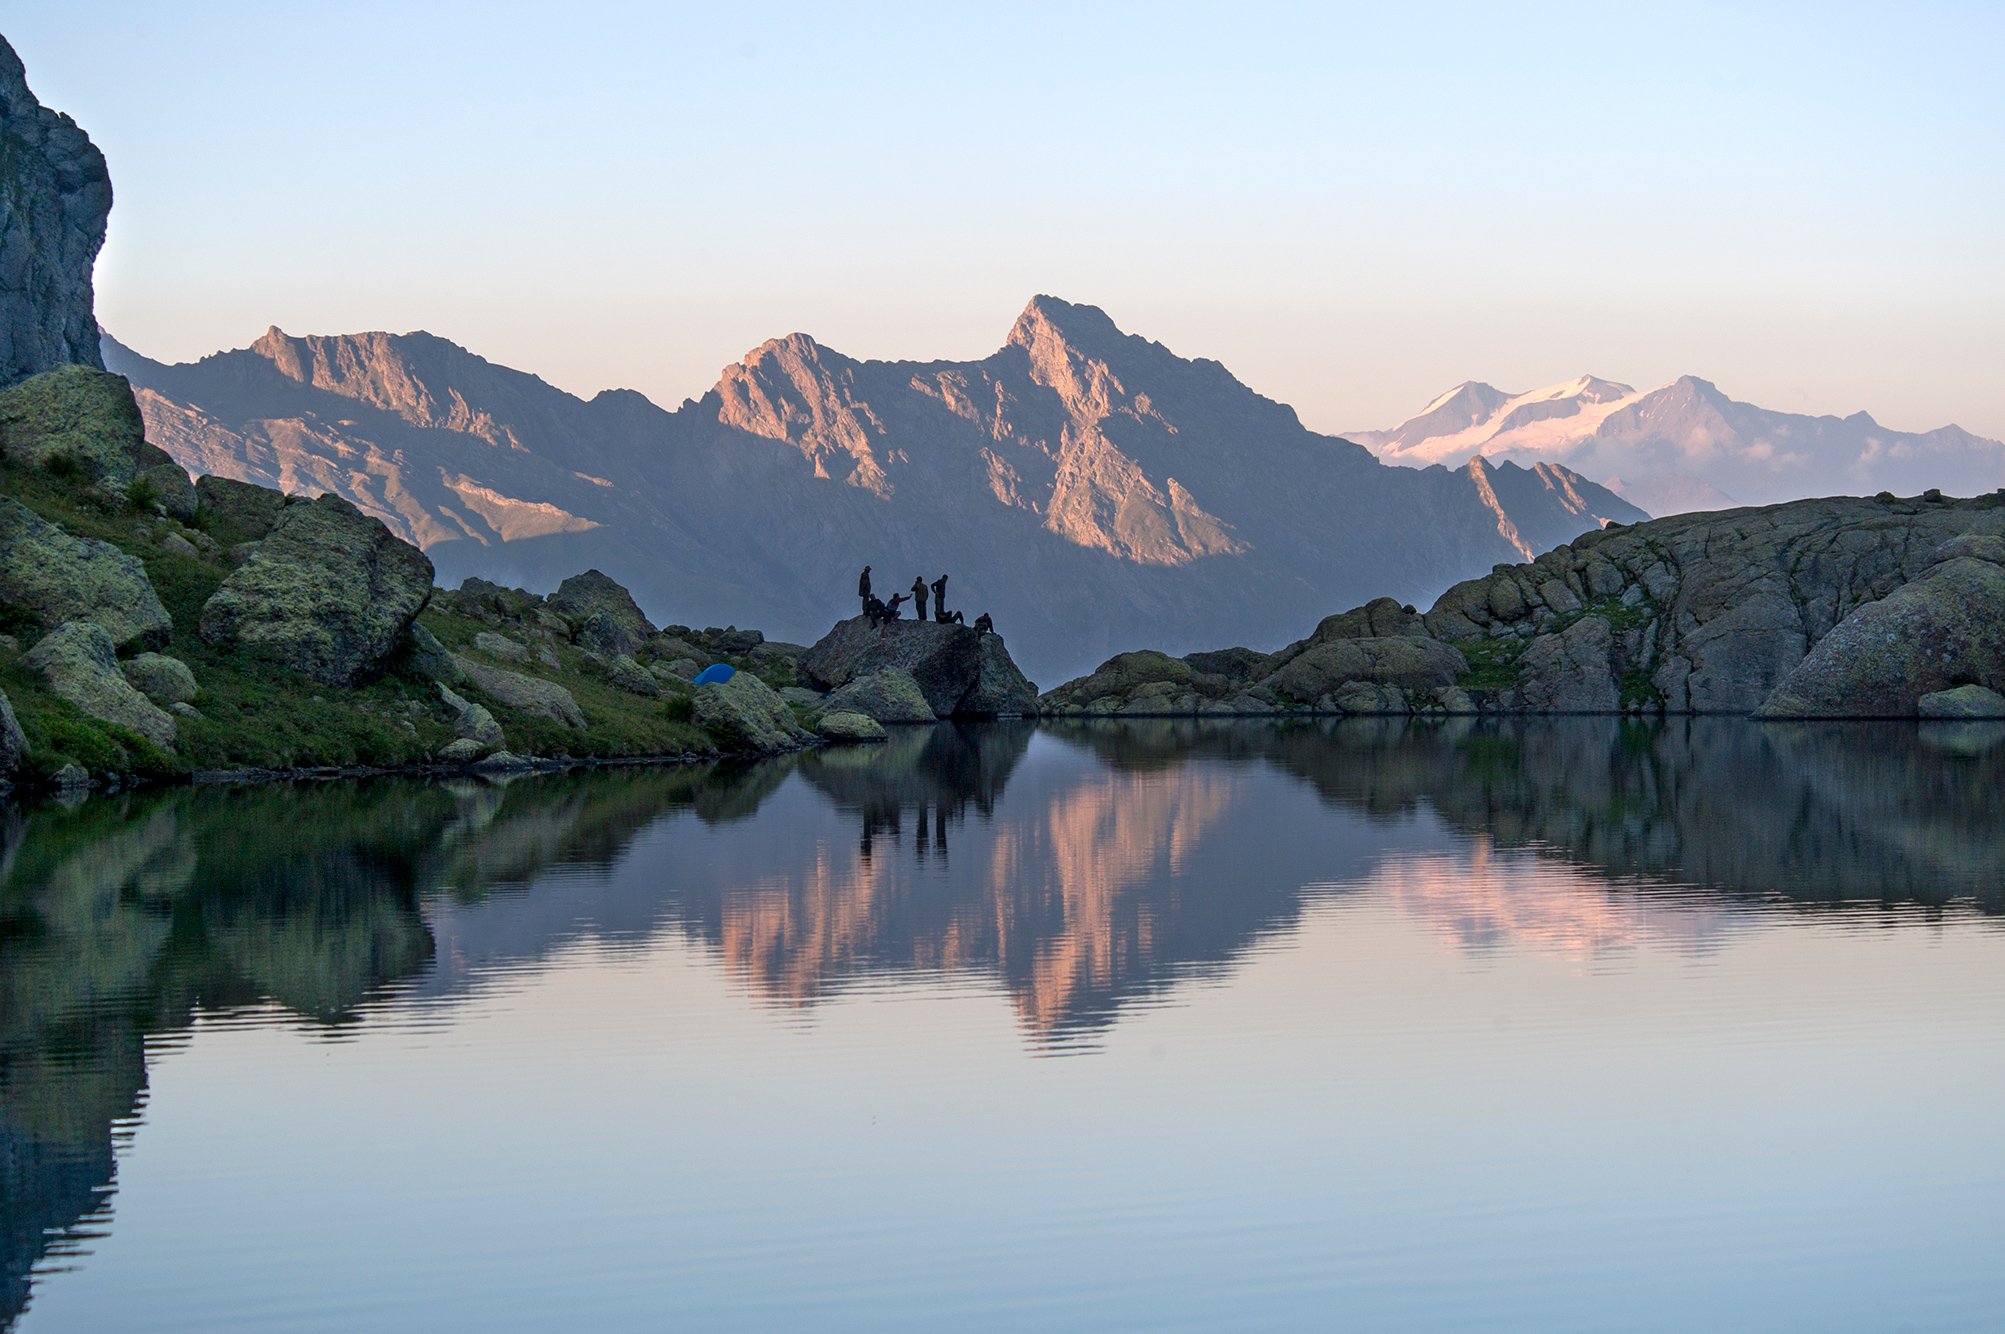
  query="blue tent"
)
[{"x": 716, "y": 672}]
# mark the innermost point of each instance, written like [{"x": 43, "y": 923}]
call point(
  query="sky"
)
[{"x": 1352, "y": 208}]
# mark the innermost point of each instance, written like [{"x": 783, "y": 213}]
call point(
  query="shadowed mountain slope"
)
[{"x": 1090, "y": 488}]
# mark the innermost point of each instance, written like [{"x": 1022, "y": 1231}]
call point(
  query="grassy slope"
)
[{"x": 257, "y": 715}]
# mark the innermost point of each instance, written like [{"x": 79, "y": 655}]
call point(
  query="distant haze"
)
[{"x": 1351, "y": 210}]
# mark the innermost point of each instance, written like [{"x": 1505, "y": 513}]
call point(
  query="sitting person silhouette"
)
[
  {"x": 891, "y": 607},
  {"x": 983, "y": 625}
]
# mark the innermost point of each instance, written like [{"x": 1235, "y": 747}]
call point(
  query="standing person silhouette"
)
[
  {"x": 863, "y": 588},
  {"x": 940, "y": 600},
  {"x": 919, "y": 598}
]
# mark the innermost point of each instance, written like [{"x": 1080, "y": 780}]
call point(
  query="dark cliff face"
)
[{"x": 55, "y": 195}]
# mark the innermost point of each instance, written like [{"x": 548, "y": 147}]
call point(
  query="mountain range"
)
[
  {"x": 1687, "y": 446},
  {"x": 1090, "y": 488}
]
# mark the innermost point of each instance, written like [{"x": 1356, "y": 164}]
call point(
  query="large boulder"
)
[
  {"x": 243, "y": 511},
  {"x": 889, "y": 696},
  {"x": 1961, "y": 703},
  {"x": 61, "y": 577},
  {"x": 608, "y": 636},
  {"x": 55, "y": 195},
  {"x": 1942, "y": 630},
  {"x": 529, "y": 694},
  {"x": 1000, "y": 689},
  {"x": 959, "y": 674},
  {"x": 164, "y": 680},
  {"x": 86, "y": 423},
  {"x": 471, "y": 722},
  {"x": 843, "y": 728},
  {"x": 80, "y": 664},
  {"x": 746, "y": 714},
  {"x": 582, "y": 595},
  {"x": 623, "y": 673},
  {"x": 329, "y": 593}
]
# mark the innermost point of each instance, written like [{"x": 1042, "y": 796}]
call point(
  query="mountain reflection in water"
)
[{"x": 1081, "y": 867}]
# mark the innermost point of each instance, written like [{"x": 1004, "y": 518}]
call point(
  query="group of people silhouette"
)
[{"x": 881, "y": 612}]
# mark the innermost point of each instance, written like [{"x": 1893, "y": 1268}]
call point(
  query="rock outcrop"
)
[
  {"x": 584, "y": 596},
  {"x": 744, "y": 713},
  {"x": 1931, "y": 635},
  {"x": 961, "y": 672},
  {"x": 55, "y": 196},
  {"x": 329, "y": 593},
  {"x": 889, "y": 696},
  {"x": 1839, "y": 608},
  {"x": 81, "y": 665},
  {"x": 57, "y": 576}
]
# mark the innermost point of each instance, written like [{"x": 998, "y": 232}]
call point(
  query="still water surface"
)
[{"x": 1580, "y": 1024}]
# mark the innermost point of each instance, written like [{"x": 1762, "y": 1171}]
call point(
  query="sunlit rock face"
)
[
  {"x": 1090, "y": 489},
  {"x": 55, "y": 195}
]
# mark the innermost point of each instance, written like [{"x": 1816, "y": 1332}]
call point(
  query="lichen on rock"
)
[
  {"x": 81, "y": 665},
  {"x": 58, "y": 576},
  {"x": 329, "y": 593}
]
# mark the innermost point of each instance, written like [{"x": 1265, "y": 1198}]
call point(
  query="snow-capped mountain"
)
[{"x": 1687, "y": 446}]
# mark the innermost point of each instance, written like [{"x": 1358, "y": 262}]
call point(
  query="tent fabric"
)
[{"x": 715, "y": 673}]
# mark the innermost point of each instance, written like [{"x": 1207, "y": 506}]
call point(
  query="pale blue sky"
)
[{"x": 1352, "y": 208}]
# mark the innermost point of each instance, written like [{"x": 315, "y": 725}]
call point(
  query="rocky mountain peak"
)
[
  {"x": 55, "y": 196},
  {"x": 1049, "y": 323},
  {"x": 373, "y": 368}
]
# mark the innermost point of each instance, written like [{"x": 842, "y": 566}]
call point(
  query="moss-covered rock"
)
[
  {"x": 889, "y": 696},
  {"x": 1962, "y": 702},
  {"x": 57, "y": 576},
  {"x": 578, "y": 598},
  {"x": 329, "y": 593},
  {"x": 77, "y": 419},
  {"x": 164, "y": 680},
  {"x": 744, "y": 713},
  {"x": 245, "y": 512},
  {"x": 623, "y": 673},
  {"x": 845, "y": 728},
  {"x": 516, "y": 690},
  {"x": 471, "y": 722},
  {"x": 80, "y": 664}
]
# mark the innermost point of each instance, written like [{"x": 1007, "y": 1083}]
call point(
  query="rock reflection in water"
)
[{"x": 1080, "y": 867}]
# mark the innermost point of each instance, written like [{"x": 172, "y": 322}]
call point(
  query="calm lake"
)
[{"x": 1580, "y": 1024}]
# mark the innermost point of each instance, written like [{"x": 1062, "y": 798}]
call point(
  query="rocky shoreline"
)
[
  {"x": 158, "y": 630},
  {"x": 1837, "y": 608}
]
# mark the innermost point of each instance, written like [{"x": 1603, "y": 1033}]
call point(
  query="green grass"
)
[{"x": 1493, "y": 663}]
